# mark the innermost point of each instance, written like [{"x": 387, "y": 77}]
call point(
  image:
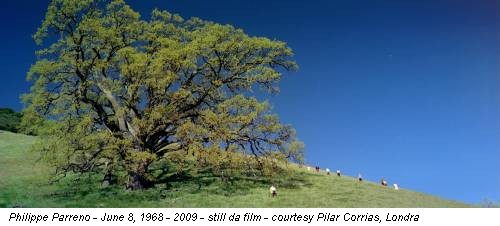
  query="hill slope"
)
[{"x": 24, "y": 183}]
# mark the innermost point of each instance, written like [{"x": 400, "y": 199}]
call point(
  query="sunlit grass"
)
[{"x": 24, "y": 182}]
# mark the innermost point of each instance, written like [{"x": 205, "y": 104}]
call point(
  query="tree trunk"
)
[
  {"x": 109, "y": 179},
  {"x": 137, "y": 181},
  {"x": 137, "y": 178},
  {"x": 137, "y": 174}
]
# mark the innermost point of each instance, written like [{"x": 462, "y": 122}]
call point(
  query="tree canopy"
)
[
  {"x": 134, "y": 96},
  {"x": 9, "y": 119}
]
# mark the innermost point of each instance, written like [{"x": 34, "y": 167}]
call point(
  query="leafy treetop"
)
[{"x": 125, "y": 94}]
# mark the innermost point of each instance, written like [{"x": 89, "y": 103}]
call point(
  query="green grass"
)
[{"x": 24, "y": 182}]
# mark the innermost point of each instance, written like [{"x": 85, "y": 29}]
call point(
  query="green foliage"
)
[
  {"x": 9, "y": 120},
  {"x": 124, "y": 94}
]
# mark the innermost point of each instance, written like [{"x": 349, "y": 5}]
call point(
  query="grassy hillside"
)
[{"x": 24, "y": 183}]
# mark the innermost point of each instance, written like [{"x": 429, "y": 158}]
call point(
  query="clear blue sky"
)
[{"x": 405, "y": 90}]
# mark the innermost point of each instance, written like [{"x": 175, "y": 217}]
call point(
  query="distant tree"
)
[
  {"x": 127, "y": 94},
  {"x": 9, "y": 120}
]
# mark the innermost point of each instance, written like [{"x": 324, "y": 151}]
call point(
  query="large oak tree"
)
[{"x": 126, "y": 94}]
